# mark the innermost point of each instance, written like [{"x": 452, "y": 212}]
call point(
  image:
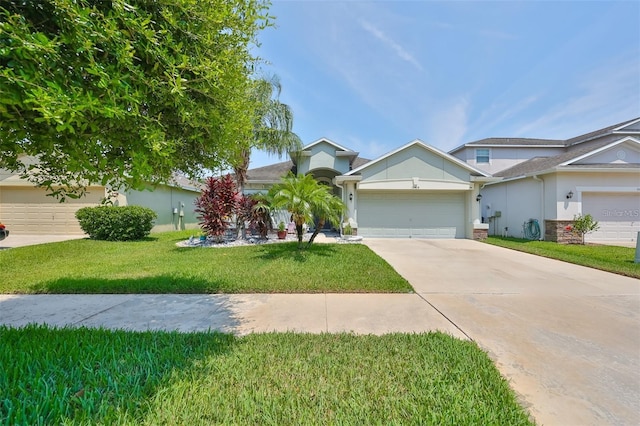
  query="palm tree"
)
[
  {"x": 331, "y": 209},
  {"x": 305, "y": 199},
  {"x": 273, "y": 127}
]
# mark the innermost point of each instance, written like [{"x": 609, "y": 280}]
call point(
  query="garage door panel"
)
[
  {"x": 423, "y": 215},
  {"x": 618, "y": 216},
  {"x": 31, "y": 211}
]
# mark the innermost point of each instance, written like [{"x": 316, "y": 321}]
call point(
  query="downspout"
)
[{"x": 542, "y": 224}]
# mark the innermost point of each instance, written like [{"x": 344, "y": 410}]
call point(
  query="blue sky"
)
[{"x": 375, "y": 75}]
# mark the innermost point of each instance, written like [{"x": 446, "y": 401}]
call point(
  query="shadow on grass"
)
[
  {"x": 166, "y": 284},
  {"x": 95, "y": 375},
  {"x": 291, "y": 251}
]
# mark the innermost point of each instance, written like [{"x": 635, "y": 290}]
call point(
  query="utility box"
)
[{"x": 498, "y": 213}]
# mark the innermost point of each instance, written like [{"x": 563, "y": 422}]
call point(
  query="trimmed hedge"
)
[{"x": 113, "y": 223}]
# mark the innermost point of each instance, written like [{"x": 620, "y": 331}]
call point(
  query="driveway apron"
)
[{"x": 566, "y": 337}]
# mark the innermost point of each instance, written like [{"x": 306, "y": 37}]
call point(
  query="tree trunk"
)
[
  {"x": 316, "y": 231},
  {"x": 240, "y": 170},
  {"x": 299, "y": 231}
]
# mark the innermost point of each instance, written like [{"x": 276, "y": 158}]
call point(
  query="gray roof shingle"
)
[
  {"x": 516, "y": 141},
  {"x": 274, "y": 172},
  {"x": 596, "y": 133},
  {"x": 539, "y": 164}
]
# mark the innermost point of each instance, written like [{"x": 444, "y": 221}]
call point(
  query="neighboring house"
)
[
  {"x": 551, "y": 181},
  {"x": 418, "y": 191},
  {"x": 26, "y": 209}
]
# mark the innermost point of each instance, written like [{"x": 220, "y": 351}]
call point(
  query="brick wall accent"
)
[
  {"x": 480, "y": 234},
  {"x": 556, "y": 230}
]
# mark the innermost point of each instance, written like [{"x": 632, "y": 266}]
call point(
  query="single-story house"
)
[
  {"x": 416, "y": 191},
  {"x": 26, "y": 209},
  {"x": 503, "y": 186}
]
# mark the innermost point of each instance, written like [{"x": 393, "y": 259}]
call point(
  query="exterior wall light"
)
[
  {"x": 570, "y": 195},
  {"x": 351, "y": 196},
  {"x": 479, "y": 197}
]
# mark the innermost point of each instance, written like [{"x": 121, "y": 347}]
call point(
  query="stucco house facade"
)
[
  {"x": 495, "y": 185},
  {"x": 26, "y": 209},
  {"x": 415, "y": 191},
  {"x": 552, "y": 181}
]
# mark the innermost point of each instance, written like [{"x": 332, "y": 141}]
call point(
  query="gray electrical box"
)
[{"x": 498, "y": 213}]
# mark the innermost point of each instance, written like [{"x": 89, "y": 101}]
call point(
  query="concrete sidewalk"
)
[{"x": 239, "y": 314}]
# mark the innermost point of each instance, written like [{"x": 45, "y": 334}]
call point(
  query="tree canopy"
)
[
  {"x": 125, "y": 93},
  {"x": 273, "y": 126}
]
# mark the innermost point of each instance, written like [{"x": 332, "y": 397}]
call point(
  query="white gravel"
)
[{"x": 271, "y": 239}]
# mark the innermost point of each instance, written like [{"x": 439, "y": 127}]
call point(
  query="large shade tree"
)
[
  {"x": 307, "y": 201},
  {"x": 123, "y": 93}
]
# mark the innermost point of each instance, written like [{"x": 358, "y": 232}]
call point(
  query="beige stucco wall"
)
[
  {"x": 520, "y": 200},
  {"x": 418, "y": 162},
  {"x": 517, "y": 201},
  {"x": 322, "y": 156},
  {"x": 502, "y": 158},
  {"x": 174, "y": 206}
]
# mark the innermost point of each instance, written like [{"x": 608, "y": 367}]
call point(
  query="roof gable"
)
[
  {"x": 602, "y": 154},
  {"x": 630, "y": 127},
  {"x": 414, "y": 157},
  {"x": 327, "y": 141},
  {"x": 623, "y": 151},
  {"x": 617, "y": 128}
]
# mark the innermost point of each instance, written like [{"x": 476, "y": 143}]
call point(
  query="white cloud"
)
[{"x": 400, "y": 51}]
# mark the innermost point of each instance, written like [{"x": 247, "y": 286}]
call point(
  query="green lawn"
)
[
  {"x": 157, "y": 265},
  {"x": 83, "y": 376},
  {"x": 619, "y": 260}
]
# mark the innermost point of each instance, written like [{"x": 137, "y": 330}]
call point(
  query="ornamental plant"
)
[
  {"x": 217, "y": 205},
  {"x": 584, "y": 224}
]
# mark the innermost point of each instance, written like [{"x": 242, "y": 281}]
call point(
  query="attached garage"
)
[
  {"x": 617, "y": 213},
  {"x": 411, "y": 214},
  {"x": 28, "y": 210}
]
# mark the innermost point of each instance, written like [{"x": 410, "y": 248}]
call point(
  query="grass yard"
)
[
  {"x": 84, "y": 376},
  {"x": 619, "y": 260},
  {"x": 157, "y": 265}
]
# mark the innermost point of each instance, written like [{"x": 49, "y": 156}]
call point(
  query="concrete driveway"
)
[{"x": 566, "y": 337}]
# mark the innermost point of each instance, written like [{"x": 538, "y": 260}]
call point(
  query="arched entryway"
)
[{"x": 326, "y": 177}]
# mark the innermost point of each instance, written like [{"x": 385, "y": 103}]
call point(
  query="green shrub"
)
[
  {"x": 116, "y": 223},
  {"x": 584, "y": 224}
]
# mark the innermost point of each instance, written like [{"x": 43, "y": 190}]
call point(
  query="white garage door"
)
[
  {"x": 30, "y": 211},
  {"x": 618, "y": 215},
  {"x": 417, "y": 215}
]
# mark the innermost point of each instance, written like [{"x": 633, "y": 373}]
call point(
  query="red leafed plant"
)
[{"x": 217, "y": 204}]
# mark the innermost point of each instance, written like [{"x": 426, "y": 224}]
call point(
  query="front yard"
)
[
  {"x": 65, "y": 376},
  {"x": 157, "y": 265},
  {"x": 95, "y": 376}
]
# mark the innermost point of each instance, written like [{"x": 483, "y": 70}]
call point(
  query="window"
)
[{"x": 482, "y": 155}]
